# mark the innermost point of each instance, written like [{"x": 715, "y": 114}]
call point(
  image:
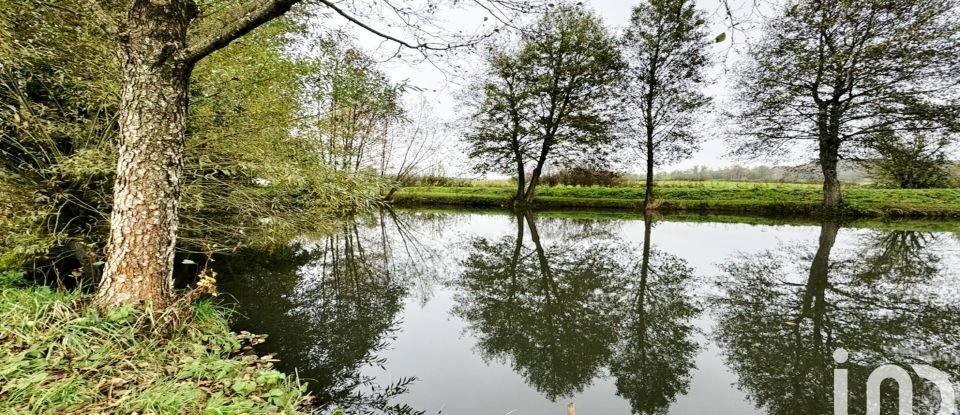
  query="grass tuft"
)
[{"x": 59, "y": 356}]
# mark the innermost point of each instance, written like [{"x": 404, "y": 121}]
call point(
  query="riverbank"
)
[
  {"x": 885, "y": 224},
  {"x": 59, "y": 356},
  {"x": 703, "y": 197}
]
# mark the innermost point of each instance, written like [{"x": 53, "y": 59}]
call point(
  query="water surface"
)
[{"x": 498, "y": 313}]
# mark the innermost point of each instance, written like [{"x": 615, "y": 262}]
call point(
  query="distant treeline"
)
[{"x": 848, "y": 172}]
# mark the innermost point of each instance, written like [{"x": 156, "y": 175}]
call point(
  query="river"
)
[{"x": 494, "y": 313}]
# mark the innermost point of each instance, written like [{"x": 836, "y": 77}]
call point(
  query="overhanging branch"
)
[
  {"x": 250, "y": 17},
  {"x": 364, "y": 26}
]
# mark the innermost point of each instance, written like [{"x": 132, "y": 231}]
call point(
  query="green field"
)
[{"x": 717, "y": 197}]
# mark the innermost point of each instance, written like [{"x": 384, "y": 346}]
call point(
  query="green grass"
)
[
  {"x": 719, "y": 197},
  {"x": 58, "y": 356},
  {"x": 890, "y": 224}
]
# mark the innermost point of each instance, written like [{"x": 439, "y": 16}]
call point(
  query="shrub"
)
[{"x": 584, "y": 176}]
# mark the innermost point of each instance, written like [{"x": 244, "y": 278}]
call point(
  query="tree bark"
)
[
  {"x": 648, "y": 190},
  {"x": 651, "y": 84},
  {"x": 153, "y": 117},
  {"x": 832, "y": 198},
  {"x": 537, "y": 171},
  {"x": 521, "y": 174},
  {"x": 829, "y": 146},
  {"x": 532, "y": 186}
]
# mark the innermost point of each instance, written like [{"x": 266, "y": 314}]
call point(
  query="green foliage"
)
[
  {"x": 846, "y": 172},
  {"x": 353, "y": 105},
  {"x": 666, "y": 47},
  {"x": 838, "y": 72},
  {"x": 549, "y": 100},
  {"x": 584, "y": 176},
  {"x": 247, "y": 177},
  {"x": 57, "y": 356},
  {"x": 10, "y": 278},
  {"x": 910, "y": 160},
  {"x": 57, "y": 97}
]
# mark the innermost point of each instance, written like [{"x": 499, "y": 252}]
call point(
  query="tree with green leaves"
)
[
  {"x": 550, "y": 101},
  {"x": 158, "y": 44},
  {"x": 354, "y": 105},
  {"x": 833, "y": 73},
  {"x": 910, "y": 160},
  {"x": 58, "y": 136},
  {"x": 666, "y": 47}
]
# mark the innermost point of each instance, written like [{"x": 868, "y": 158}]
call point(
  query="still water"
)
[{"x": 495, "y": 313}]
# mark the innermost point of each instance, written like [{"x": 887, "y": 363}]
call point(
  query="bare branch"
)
[{"x": 417, "y": 46}]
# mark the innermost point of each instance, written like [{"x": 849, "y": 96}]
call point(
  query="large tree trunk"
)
[
  {"x": 829, "y": 158},
  {"x": 153, "y": 116},
  {"x": 537, "y": 171},
  {"x": 521, "y": 174},
  {"x": 532, "y": 186},
  {"x": 828, "y": 129}
]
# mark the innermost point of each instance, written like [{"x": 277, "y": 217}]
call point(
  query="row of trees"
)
[
  {"x": 836, "y": 78},
  {"x": 794, "y": 174},
  {"x": 568, "y": 90}
]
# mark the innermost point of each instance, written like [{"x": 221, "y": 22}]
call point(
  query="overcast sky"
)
[{"x": 441, "y": 86}]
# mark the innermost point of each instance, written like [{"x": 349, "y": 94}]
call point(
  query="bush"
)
[
  {"x": 583, "y": 176},
  {"x": 910, "y": 161},
  {"x": 433, "y": 181}
]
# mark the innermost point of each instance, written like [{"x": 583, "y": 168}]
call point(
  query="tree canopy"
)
[
  {"x": 828, "y": 75},
  {"x": 666, "y": 47},
  {"x": 552, "y": 99}
]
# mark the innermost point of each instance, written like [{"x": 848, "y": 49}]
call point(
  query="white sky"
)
[{"x": 440, "y": 86}]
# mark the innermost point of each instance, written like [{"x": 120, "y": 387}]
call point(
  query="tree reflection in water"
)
[
  {"x": 783, "y": 312},
  {"x": 562, "y": 312},
  {"x": 330, "y": 305},
  {"x": 655, "y": 353},
  {"x": 565, "y": 302}
]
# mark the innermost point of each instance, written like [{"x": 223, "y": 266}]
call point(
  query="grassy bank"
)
[
  {"x": 888, "y": 224},
  {"x": 58, "y": 356},
  {"x": 715, "y": 197}
]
